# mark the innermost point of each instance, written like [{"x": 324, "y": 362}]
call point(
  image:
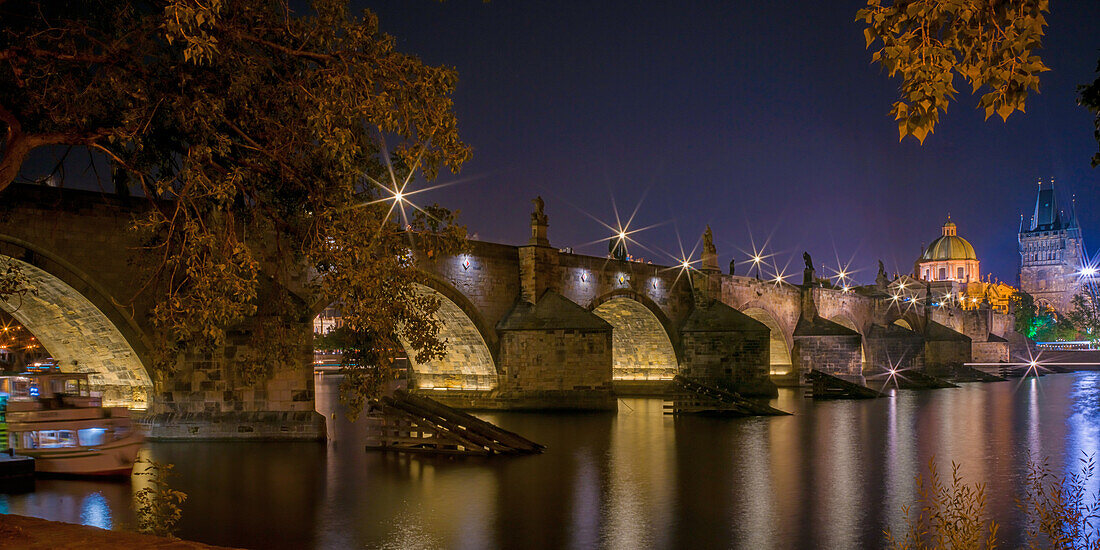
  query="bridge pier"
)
[
  {"x": 727, "y": 349},
  {"x": 945, "y": 348},
  {"x": 825, "y": 346},
  {"x": 204, "y": 399},
  {"x": 554, "y": 354},
  {"x": 894, "y": 347}
]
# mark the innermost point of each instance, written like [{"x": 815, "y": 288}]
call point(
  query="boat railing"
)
[{"x": 59, "y": 401}]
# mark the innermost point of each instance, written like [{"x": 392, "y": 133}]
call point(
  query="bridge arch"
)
[
  {"x": 908, "y": 320},
  {"x": 781, "y": 339},
  {"x": 80, "y": 324},
  {"x": 644, "y": 347},
  {"x": 469, "y": 361}
]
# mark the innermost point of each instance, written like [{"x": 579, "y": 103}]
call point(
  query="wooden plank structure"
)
[
  {"x": 966, "y": 373},
  {"x": 687, "y": 396},
  {"x": 907, "y": 379},
  {"x": 827, "y": 386},
  {"x": 416, "y": 424}
]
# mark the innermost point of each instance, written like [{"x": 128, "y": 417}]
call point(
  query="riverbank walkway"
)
[{"x": 27, "y": 533}]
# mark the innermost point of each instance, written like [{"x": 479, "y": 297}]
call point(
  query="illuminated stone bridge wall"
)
[
  {"x": 527, "y": 326},
  {"x": 76, "y": 248}
]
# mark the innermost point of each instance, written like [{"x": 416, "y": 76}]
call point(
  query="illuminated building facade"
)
[
  {"x": 949, "y": 258},
  {"x": 949, "y": 268},
  {"x": 1052, "y": 253}
]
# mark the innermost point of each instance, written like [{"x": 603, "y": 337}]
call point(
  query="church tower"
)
[{"x": 1051, "y": 252}]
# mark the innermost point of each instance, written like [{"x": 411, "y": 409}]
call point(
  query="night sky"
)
[{"x": 759, "y": 118}]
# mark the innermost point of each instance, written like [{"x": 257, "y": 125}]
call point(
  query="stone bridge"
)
[{"x": 526, "y": 326}]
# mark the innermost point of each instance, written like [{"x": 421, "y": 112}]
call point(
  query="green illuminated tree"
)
[
  {"x": 1085, "y": 317},
  {"x": 990, "y": 45},
  {"x": 271, "y": 140},
  {"x": 1025, "y": 311}
]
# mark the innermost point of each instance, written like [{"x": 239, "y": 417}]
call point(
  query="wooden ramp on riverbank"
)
[
  {"x": 415, "y": 424},
  {"x": 687, "y": 396},
  {"x": 827, "y": 386},
  {"x": 906, "y": 379},
  {"x": 964, "y": 373}
]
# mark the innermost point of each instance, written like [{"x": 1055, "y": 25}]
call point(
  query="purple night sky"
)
[{"x": 755, "y": 117}]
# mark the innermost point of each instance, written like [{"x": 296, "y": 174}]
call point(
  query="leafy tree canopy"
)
[
  {"x": 990, "y": 44},
  {"x": 264, "y": 140},
  {"x": 1089, "y": 98},
  {"x": 1085, "y": 316}
]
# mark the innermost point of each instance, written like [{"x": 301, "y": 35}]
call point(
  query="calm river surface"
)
[{"x": 834, "y": 475}]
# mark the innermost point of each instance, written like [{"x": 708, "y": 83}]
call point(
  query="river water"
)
[{"x": 833, "y": 475}]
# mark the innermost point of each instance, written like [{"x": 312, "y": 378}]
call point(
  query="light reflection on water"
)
[{"x": 834, "y": 475}]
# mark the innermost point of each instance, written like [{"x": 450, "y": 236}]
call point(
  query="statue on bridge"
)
[
  {"x": 709, "y": 259},
  {"x": 708, "y": 242},
  {"x": 733, "y": 266},
  {"x": 538, "y": 216},
  {"x": 808, "y": 274},
  {"x": 539, "y": 224}
]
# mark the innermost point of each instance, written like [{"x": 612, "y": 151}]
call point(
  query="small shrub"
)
[
  {"x": 949, "y": 517},
  {"x": 158, "y": 506},
  {"x": 1058, "y": 515}
]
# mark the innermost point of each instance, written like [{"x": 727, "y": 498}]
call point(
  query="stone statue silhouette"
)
[
  {"x": 733, "y": 266},
  {"x": 881, "y": 280},
  {"x": 616, "y": 248},
  {"x": 809, "y": 262},
  {"x": 708, "y": 242},
  {"x": 538, "y": 216},
  {"x": 808, "y": 273}
]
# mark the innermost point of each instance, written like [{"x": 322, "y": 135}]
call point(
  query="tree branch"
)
[
  {"x": 18, "y": 145},
  {"x": 36, "y": 52},
  {"x": 319, "y": 57}
]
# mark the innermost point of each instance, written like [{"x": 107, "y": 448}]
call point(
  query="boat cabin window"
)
[
  {"x": 69, "y": 386},
  {"x": 92, "y": 436},
  {"x": 49, "y": 439}
]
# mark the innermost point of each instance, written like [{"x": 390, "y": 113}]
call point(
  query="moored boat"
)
[{"x": 54, "y": 418}]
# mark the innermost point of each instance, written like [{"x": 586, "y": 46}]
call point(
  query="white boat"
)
[{"x": 54, "y": 418}]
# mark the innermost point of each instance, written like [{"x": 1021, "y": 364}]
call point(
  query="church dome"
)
[{"x": 949, "y": 247}]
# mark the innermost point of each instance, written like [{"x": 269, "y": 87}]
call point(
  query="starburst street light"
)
[
  {"x": 621, "y": 233},
  {"x": 756, "y": 260},
  {"x": 396, "y": 192}
]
